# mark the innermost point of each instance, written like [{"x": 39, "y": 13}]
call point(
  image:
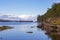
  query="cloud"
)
[
  {"x": 21, "y": 17},
  {"x": 28, "y": 17}
]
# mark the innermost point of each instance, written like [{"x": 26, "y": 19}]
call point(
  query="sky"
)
[{"x": 25, "y": 7}]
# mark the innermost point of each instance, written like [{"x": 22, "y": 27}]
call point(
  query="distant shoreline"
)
[
  {"x": 16, "y": 21},
  {"x": 13, "y": 21}
]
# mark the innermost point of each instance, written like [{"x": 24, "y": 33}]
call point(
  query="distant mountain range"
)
[
  {"x": 15, "y": 20},
  {"x": 10, "y": 18}
]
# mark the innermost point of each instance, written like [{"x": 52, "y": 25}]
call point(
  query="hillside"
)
[{"x": 52, "y": 15}]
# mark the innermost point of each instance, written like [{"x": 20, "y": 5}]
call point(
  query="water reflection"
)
[
  {"x": 54, "y": 36},
  {"x": 2, "y": 28}
]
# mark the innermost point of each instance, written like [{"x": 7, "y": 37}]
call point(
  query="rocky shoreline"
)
[{"x": 50, "y": 29}]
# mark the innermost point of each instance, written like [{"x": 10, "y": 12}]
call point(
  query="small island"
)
[{"x": 5, "y": 28}]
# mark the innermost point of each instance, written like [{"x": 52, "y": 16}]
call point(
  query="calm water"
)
[{"x": 19, "y": 32}]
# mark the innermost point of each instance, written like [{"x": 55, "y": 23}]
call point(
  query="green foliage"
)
[
  {"x": 52, "y": 13},
  {"x": 40, "y": 18}
]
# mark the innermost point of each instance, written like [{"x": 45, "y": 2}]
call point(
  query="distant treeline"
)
[{"x": 14, "y": 21}]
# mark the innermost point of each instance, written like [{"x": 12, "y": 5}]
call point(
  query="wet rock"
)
[
  {"x": 48, "y": 33},
  {"x": 54, "y": 27},
  {"x": 39, "y": 26},
  {"x": 32, "y": 27},
  {"x": 30, "y": 32}
]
